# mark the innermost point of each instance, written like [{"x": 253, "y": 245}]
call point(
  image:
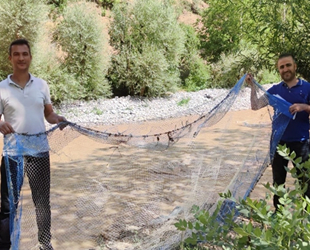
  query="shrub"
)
[
  {"x": 58, "y": 4},
  {"x": 29, "y": 19},
  {"x": 195, "y": 73},
  {"x": 231, "y": 67},
  {"x": 20, "y": 19},
  {"x": 46, "y": 65},
  {"x": 79, "y": 35},
  {"x": 107, "y": 4},
  {"x": 199, "y": 76},
  {"x": 148, "y": 44}
]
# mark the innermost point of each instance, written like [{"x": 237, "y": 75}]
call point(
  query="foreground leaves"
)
[{"x": 253, "y": 224}]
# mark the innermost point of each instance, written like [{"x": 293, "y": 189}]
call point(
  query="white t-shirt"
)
[{"x": 23, "y": 108}]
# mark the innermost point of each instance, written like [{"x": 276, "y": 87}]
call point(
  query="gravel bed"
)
[{"x": 132, "y": 109}]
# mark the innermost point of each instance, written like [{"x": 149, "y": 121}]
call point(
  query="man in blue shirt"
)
[{"x": 296, "y": 134}]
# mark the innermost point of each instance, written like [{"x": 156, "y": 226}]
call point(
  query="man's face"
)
[
  {"x": 20, "y": 57},
  {"x": 287, "y": 68}
]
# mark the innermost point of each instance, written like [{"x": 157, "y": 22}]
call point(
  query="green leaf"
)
[
  {"x": 203, "y": 219},
  {"x": 241, "y": 231},
  {"x": 257, "y": 232}
]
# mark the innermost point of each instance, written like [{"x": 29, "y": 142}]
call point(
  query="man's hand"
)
[
  {"x": 249, "y": 79},
  {"x": 298, "y": 107},
  {"x": 6, "y": 128},
  {"x": 62, "y": 119},
  {"x": 54, "y": 118}
]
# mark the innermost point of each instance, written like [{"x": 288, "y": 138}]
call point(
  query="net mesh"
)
[{"x": 124, "y": 186}]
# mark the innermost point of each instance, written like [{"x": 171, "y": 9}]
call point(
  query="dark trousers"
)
[
  {"x": 278, "y": 166},
  {"x": 38, "y": 173}
]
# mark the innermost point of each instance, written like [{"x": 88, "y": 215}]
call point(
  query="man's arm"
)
[
  {"x": 256, "y": 103},
  {"x": 51, "y": 116}
]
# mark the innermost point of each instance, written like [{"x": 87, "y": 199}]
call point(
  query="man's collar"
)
[
  {"x": 299, "y": 83},
  {"x": 10, "y": 81}
]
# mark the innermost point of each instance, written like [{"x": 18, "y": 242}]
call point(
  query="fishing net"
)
[{"x": 124, "y": 186}]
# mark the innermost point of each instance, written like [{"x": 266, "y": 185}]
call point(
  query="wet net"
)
[{"x": 96, "y": 186}]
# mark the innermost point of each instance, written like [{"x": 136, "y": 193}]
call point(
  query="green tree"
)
[
  {"x": 220, "y": 31},
  {"x": 79, "y": 36},
  {"x": 232, "y": 66},
  {"x": 20, "y": 19},
  {"x": 273, "y": 27},
  {"x": 280, "y": 26},
  {"x": 148, "y": 44}
]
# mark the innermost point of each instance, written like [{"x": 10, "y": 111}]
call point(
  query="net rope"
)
[{"x": 124, "y": 186}]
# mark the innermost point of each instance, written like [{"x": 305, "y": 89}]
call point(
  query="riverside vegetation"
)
[{"x": 104, "y": 48}]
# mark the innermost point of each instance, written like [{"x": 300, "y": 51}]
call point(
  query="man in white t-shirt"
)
[{"x": 25, "y": 103}]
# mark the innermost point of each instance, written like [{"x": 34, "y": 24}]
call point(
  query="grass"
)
[
  {"x": 184, "y": 102},
  {"x": 97, "y": 111}
]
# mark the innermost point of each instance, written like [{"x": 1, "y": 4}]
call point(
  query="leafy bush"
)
[
  {"x": 220, "y": 31},
  {"x": 199, "y": 76},
  {"x": 46, "y": 65},
  {"x": 193, "y": 6},
  {"x": 269, "y": 76},
  {"x": 257, "y": 226},
  {"x": 195, "y": 73},
  {"x": 79, "y": 36},
  {"x": 31, "y": 22},
  {"x": 22, "y": 19},
  {"x": 231, "y": 67},
  {"x": 148, "y": 44},
  {"x": 107, "y": 4},
  {"x": 63, "y": 85},
  {"x": 59, "y": 4}
]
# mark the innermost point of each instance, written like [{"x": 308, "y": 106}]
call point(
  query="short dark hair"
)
[
  {"x": 286, "y": 54},
  {"x": 20, "y": 41}
]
